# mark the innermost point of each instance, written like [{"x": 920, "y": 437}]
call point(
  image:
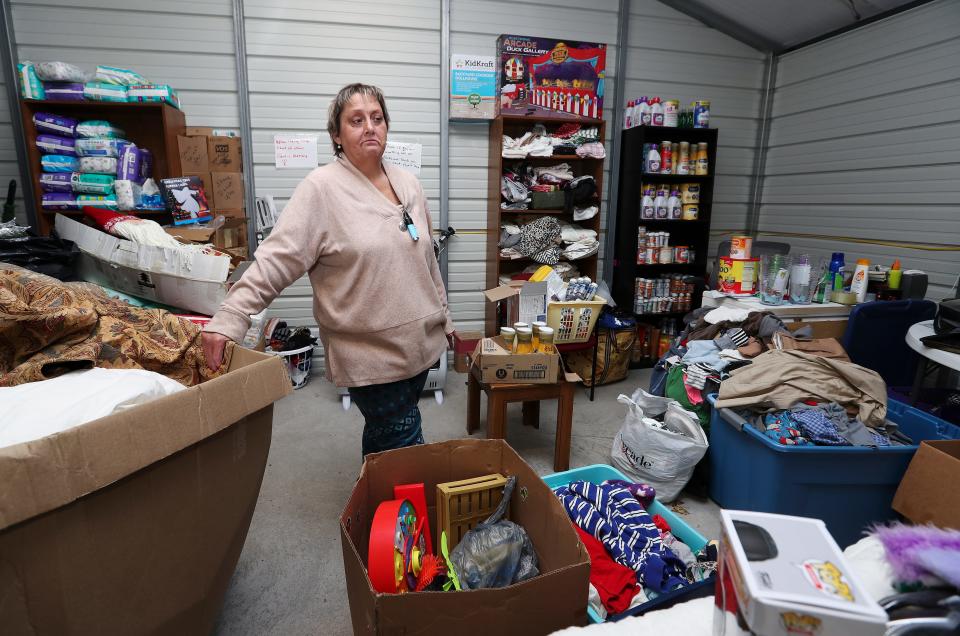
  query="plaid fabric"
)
[
  {"x": 612, "y": 515},
  {"x": 818, "y": 428}
]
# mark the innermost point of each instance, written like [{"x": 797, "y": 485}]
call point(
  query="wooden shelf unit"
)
[
  {"x": 694, "y": 234},
  {"x": 515, "y": 126},
  {"x": 154, "y": 126}
]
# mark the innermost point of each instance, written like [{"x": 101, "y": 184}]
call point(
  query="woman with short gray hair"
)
[{"x": 361, "y": 229}]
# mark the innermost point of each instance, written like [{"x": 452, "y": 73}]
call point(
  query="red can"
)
[
  {"x": 652, "y": 255},
  {"x": 681, "y": 254}
]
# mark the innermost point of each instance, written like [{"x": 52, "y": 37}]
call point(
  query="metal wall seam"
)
[
  {"x": 444, "y": 128},
  {"x": 9, "y": 58},
  {"x": 246, "y": 128},
  {"x": 613, "y": 192},
  {"x": 763, "y": 138}
]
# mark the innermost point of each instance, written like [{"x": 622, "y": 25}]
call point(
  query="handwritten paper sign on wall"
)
[
  {"x": 295, "y": 151},
  {"x": 403, "y": 155}
]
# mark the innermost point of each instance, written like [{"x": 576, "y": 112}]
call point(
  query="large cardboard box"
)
[
  {"x": 193, "y": 155},
  {"x": 228, "y": 190},
  {"x": 553, "y": 600},
  {"x": 133, "y": 523},
  {"x": 498, "y": 365},
  {"x": 790, "y": 577},
  {"x": 224, "y": 154},
  {"x": 198, "y": 284},
  {"x": 922, "y": 497}
]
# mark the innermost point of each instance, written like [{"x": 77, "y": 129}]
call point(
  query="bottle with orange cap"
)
[
  {"x": 893, "y": 276},
  {"x": 861, "y": 277}
]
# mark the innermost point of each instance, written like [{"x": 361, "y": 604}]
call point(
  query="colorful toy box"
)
[{"x": 540, "y": 76}]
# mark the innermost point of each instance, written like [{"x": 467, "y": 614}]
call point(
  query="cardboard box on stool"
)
[
  {"x": 498, "y": 365},
  {"x": 788, "y": 576},
  {"x": 133, "y": 523},
  {"x": 555, "y": 599}
]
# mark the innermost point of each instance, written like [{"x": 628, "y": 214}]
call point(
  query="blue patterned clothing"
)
[
  {"x": 782, "y": 428},
  {"x": 612, "y": 515},
  {"x": 392, "y": 417},
  {"x": 818, "y": 428}
]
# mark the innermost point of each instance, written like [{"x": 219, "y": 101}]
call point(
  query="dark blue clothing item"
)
[{"x": 391, "y": 413}]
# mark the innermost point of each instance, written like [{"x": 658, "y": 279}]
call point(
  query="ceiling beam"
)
[{"x": 725, "y": 25}]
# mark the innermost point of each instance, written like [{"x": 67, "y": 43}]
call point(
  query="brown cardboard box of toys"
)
[
  {"x": 554, "y": 599},
  {"x": 133, "y": 523}
]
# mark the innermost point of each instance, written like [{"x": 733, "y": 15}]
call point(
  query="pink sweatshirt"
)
[{"x": 378, "y": 297}]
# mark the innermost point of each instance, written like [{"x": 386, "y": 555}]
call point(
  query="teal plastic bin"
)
[
  {"x": 848, "y": 487},
  {"x": 599, "y": 473}
]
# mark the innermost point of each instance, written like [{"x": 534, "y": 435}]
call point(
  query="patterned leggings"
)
[{"x": 391, "y": 413}]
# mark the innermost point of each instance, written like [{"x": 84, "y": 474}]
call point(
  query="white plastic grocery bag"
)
[{"x": 662, "y": 455}]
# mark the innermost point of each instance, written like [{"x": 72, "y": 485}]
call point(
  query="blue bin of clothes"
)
[
  {"x": 599, "y": 473},
  {"x": 848, "y": 487}
]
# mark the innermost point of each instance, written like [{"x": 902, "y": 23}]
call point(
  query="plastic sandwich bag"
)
[
  {"x": 495, "y": 553},
  {"x": 662, "y": 454}
]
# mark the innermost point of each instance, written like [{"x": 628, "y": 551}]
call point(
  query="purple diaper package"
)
[
  {"x": 56, "y": 181},
  {"x": 54, "y": 145},
  {"x": 55, "y": 124},
  {"x": 59, "y": 201},
  {"x": 146, "y": 166},
  {"x": 128, "y": 163},
  {"x": 63, "y": 90}
]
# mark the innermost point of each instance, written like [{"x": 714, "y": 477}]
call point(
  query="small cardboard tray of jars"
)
[{"x": 499, "y": 365}]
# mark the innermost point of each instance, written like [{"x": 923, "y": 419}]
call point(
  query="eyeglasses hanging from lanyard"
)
[{"x": 408, "y": 225}]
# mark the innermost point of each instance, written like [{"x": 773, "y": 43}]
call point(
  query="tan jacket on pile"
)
[
  {"x": 378, "y": 297},
  {"x": 780, "y": 379}
]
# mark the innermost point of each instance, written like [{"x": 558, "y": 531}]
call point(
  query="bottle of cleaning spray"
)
[{"x": 861, "y": 278}]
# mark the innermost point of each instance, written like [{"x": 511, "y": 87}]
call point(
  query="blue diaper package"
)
[
  {"x": 59, "y": 201},
  {"x": 55, "y": 145},
  {"x": 59, "y": 163},
  {"x": 30, "y": 85},
  {"x": 100, "y": 147},
  {"x": 55, "y": 124},
  {"x": 57, "y": 181},
  {"x": 108, "y": 202},
  {"x": 128, "y": 163},
  {"x": 118, "y": 76},
  {"x": 66, "y": 91},
  {"x": 153, "y": 93}
]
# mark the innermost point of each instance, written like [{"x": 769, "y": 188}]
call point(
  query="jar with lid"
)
[
  {"x": 546, "y": 341},
  {"x": 509, "y": 335},
  {"x": 524, "y": 340},
  {"x": 537, "y": 326},
  {"x": 701, "y": 166}
]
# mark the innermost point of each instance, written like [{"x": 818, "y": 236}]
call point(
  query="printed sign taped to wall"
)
[
  {"x": 404, "y": 155},
  {"x": 295, "y": 151}
]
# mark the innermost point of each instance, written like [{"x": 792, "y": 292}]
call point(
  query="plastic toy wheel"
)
[
  {"x": 345, "y": 402},
  {"x": 438, "y": 396}
]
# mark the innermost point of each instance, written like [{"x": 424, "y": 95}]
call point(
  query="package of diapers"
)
[
  {"x": 98, "y": 165},
  {"x": 101, "y": 184},
  {"x": 55, "y": 145},
  {"x": 98, "y": 128},
  {"x": 57, "y": 181},
  {"x": 59, "y": 163},
  {"x": 146, "y": 165},
  {"x": 55, "y": 124},
  {"x": 108, "y": 202},
  {"x": 153, "y": 93},
  {"x": 59, "y": 201},
  {"x": 100, "y": 92},
  {"x": 61, "y": 72},
  {"x": 63, "y": 91},
  {"x": 118, "y": 76},
  {"x": 129, "y": 194},
  {"x": 128, "y": 163},
  {"x": 30, "y": 85},
  {"x": 100, "y": 147}
]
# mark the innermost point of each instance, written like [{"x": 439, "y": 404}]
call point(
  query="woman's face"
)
[{"x": 363, "y": 129}]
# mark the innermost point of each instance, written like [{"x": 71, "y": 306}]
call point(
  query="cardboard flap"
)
[
  {"x": 500, "y": 293},
  {"x": 44, "y": 474}
]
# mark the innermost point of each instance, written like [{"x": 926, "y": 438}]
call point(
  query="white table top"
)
[
  {"x": 813, "y": 310},
  {"x": 941, "y": 357}
]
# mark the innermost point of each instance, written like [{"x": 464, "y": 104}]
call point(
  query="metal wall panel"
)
[{"x": 865, "y": 140}]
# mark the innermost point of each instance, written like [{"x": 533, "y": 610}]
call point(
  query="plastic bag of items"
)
[
  {"x": 495, "y": 553},
  {"x": 513, "y": 190},
  {"x": 60, "y": 72},
  {"x": 660, "y": 453},
  {"x": 48, "y": 255}
]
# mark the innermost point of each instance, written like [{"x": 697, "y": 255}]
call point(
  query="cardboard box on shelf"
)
[
  {"x": 553, "y": 600},
  {"x": 232, "y": 214},
  {"x": 193, "y": 155},
  {"x": 498, "y": 365},
  {"x": 207, "y": 131},
  {"x": 523, "y": 301},
  {"x": 920, "y": 497},
  {"x": 224, "y": 154},
  {"x": 134, "y": 523},
  {"x": 228, "y": 190},
  {"x": 788, "y": 576},
  {"x": 464, "y": 343},
  {"x": 154, "y": 273}
]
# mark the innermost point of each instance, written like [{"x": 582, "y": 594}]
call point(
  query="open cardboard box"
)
[
  {"x": 921, "y": 497},
  {"x": 523, "y": 301},
  {"x": 156, "y": 273},
  {"x": 133, "y": 523},
  {"x": 497, "y": 365},
  {"x": 555, "y": 599}
]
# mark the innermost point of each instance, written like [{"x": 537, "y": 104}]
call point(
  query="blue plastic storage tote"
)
[
  {"x": 848, "y": 487},
  {"x": 599, "y": 473}
]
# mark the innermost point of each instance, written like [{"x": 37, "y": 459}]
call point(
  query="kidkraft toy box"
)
[{"x": 539, "y": 76}]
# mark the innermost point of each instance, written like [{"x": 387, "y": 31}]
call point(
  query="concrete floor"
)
[{"x": 290, "y": 576}]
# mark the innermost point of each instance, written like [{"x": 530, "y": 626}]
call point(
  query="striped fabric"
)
[{"x": 612, "y": 515}]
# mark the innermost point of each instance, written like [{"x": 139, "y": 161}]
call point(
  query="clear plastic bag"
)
[
  {"x": 60, "y": 72},
  {"x": 495, "y": 553}
]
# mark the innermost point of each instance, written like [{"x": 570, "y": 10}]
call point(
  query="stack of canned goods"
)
[
  {"x": 653, "y": 247},
  {"x": 671, "y": 157},
  {"x": 662, "y": 295}
]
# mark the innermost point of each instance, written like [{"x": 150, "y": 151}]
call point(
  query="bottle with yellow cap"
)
[{"x": 861, "y": 277}]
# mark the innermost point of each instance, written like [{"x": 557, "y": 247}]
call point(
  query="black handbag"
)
[{"x": 948, "y": 316}]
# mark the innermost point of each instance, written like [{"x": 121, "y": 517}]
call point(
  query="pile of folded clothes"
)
[
  {"x": 568, "y": 139},
  {"x": 525, "y": 187}
]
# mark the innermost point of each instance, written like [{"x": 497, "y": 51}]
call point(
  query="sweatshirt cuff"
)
[{"x": 229, "y": 324}]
